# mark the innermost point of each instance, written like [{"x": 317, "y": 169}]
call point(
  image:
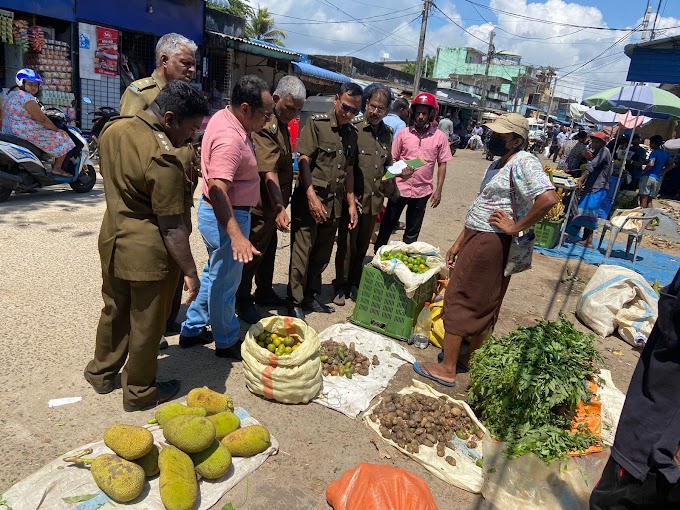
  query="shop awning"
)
[
  {"x": 655, "y": 61},
  {"x": 255, "y": 47},
  {"x": 60, "y": 9},
  {"x": 320, "y": 72}
]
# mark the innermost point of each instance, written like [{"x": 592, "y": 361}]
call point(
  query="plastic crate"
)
[
  {"x": 547, "y": 233},
  {"x": 382, "y": 305}
]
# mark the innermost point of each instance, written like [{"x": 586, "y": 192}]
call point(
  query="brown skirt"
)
[{"x": 477, "y": 285}]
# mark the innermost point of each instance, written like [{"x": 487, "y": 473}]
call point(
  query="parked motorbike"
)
[
  {"x": 454, "y": 143},
  {"x": 24, "y": 167},
  {"x": 537, "y": 143},
  {"x": 102, "y": 115}
]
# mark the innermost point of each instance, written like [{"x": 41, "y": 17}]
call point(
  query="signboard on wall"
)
[
  {"x": 106, "y": 55},
  {"x": 87, "y": 45}
]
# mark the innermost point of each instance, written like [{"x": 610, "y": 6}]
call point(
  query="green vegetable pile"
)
[{"x": 525, "y": 387}]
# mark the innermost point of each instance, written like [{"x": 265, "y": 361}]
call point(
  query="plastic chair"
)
[{"x": 634, "y": 232}]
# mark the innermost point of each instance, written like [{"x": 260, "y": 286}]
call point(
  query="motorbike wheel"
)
[
  {"x": 5, "y": 193},
  {"x": 84, "y": 187},
  {"x": 93, "y": 148}
]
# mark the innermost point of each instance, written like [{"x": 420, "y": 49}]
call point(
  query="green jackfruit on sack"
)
[
  {"x": 209, "y": 400},
  {"x": 212, "y": 463},
  {"x": 128, "y": 441},
  {"x": 120, "y": 479},
  {"x": 178, "y": 484},
  {"x": 149, "y": 462},
  {"x": 248, "y": 441},
  {"x": 225, "y": 423},
  {"x": 191, "y": 434},
  {"x": 169, "y": 411}
]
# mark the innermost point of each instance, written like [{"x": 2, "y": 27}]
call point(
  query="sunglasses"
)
[{"x": 349, "y": 109}]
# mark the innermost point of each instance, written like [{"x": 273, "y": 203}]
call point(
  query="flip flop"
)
[
  {"x": 422, "y": 371},
  {"x": 61, "y": 174},
  {"x": 461, "y": 368}
]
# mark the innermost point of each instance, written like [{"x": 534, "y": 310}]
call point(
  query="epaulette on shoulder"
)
[
  {"x": 163, "y": 142},
  {"x": 321, "y": 116},
  {"x": 389, "y": 128},
  {"x": 358, "y": 119},
  {"x": 143, "y": 84}
]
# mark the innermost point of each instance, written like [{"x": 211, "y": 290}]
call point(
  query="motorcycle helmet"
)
[
  {"x": 426, "y": 99},
  {"x": 27, "y": 75}
]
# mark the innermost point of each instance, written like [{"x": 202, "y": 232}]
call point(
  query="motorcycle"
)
[
  {"x": 102, "y": 115},
  {"x": 24, "y": 167},
  {"x": 454, "y": 143},
  {"x": 537, "y": 143}
]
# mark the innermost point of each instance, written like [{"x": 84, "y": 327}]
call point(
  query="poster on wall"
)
[
  {"x": 106, "y": 56},
  {"x": 87, "y": 44}
]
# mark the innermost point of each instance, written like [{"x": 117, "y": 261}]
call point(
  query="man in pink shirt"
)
[
  {"x": 421, "y": 140},
  {"x": 231, "y": 186}
]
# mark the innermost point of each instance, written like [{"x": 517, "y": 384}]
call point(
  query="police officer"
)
[
  {"x": 275, "y": 163},
  {"x": 143, "y": 242},
  {"x": 374, "y": 145},
  {"x": 327, "y": 149},
  {"x": 175, "y": 60}
]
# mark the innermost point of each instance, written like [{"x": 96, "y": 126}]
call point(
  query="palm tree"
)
[{"x": 260, "y": 25}]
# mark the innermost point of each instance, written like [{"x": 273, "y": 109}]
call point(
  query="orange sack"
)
[{"x": 379, "y": 487}]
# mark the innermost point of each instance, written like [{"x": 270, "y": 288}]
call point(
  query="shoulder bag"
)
[{"x": 521, "y": 247}]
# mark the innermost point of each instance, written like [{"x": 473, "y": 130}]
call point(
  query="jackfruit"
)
[
  {"x": 149, "y": 462},
  {"x": 128, "y": 441},
  {"x": 212, "y": 463},
  {"x": 120, "y": 479},
  {"x": 225, "y": 423},
  {"x": 191, "y": 434},
  {"x": 178, "y": 484},
  {"x": 169, "y": 411},
  {"x": 248, "y": 441},
  {"x": 209, "y": 400}
]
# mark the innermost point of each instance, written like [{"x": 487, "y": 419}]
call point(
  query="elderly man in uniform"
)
[
  {"x": 143, "y": 242},
  {"x": 275, "y": 162},
  {"x": 327, "y": 148},
  {"x": 374, "y": 145},
  {"x": 175, "y": 60},
  {"x": 231, "y": 187}
]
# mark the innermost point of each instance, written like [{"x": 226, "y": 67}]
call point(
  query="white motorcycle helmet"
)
[{"x": 27, "y": 75}]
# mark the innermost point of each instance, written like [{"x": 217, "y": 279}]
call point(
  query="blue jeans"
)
[{"x": 219, "y": 281}]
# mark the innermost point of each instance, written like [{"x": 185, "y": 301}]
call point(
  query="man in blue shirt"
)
[
  {"x": 658, "y": 164},
  {"x": 398, "y": 115}
]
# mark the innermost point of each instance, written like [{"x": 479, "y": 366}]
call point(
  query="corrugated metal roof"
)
[
  {"x": 257, "y": 44},
  {"x": 320, "y": 72}
]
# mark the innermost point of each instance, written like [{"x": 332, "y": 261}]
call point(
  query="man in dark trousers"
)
[
  {"x": 143, "y": 242},
  {"x": 644, "y": 466}
]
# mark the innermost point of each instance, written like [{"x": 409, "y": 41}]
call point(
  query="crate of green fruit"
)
[
  {"x": 547, "y": 233},
  {"x": 383, "y": 306}
]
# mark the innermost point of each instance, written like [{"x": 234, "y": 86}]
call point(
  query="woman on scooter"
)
[{"x": 23, "y": 118}]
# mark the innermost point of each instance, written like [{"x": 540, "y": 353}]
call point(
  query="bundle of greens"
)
[{"x": 525, "y": 387}]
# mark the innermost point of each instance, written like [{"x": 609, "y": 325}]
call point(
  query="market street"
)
[{"x": 50, "y": 297}]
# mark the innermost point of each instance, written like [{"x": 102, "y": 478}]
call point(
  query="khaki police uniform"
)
[
  {"x": 374, "y": 153},
  {"x": 273, "y": 153},
  {"x": 143, "y": 179},
  {"x": 136, "y": 98},
  {"x": 332, "y": 150}
]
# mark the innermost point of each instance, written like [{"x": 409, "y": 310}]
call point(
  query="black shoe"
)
[
  {"x": 163, "y": 344},
  {"x": 353, "y": 293},
  {"x": 203, "y": 338},
  {"x": 316, "y": 306},
  {"x": 268, "y": 298},
  {"x": 232, "y": 352},
  {"x": 172, "y": 328},
  {"x": 165, "y": 391},
  {"x": 297, "y": 312},
  {"x": 248, "y": 313},
  {"x": 102, "y": 390}
]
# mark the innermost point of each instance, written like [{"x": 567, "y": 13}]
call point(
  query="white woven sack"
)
[
  {"x": 411, "y": 281},
  {"x": 291, "y": 379}
]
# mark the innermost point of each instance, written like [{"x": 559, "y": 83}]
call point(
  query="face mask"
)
[{"x": 497, "y": 146}]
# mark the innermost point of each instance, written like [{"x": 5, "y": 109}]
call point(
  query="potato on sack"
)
[
  {"x": 413, "y": 264},
  {"x": 292, "y": 374}
]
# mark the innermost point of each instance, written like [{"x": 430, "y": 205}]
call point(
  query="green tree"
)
[
  {"x": 427, "y": 70},
  {"x": 261, "y": 25},
  {"x": 238, "y": 8}
]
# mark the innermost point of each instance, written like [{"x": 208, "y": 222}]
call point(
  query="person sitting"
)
[{"x": 24, "y": 119}]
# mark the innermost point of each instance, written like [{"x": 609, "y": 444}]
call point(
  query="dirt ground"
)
[{"x": 50, "y": 297}]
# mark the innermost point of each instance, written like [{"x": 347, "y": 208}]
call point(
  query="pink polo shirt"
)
[
  {"x": 227, "y": 153},
  {"x": 432, "y": 147}
]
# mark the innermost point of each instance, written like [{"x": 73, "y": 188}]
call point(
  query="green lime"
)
[{"x": 271, "y": 347}]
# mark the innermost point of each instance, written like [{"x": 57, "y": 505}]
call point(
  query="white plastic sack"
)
[
  {"x": 612, "y": 400},
  {"x": 354, "y": 396},
  {"x": 46, "y": 489},
  {"x": 546, "y": 151},
  {"x": 618, "y": 298},
  {"x": 291, "y": 379},
  {"x": 411, "y": 281},
  {"x": 465, "y": 474}
]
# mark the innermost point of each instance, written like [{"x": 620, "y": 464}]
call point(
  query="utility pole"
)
[
  {"x": 489, "y": 56},
  {"x": 645, "y": 21},
  {"x": 421, "y": 47},
  {"x": 552, "y": 95}
]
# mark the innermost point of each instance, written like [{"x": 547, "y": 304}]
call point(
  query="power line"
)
[
  {"x": 458, "y": 25},
  {"x": 307, "y": 21},
  {"x": 388, "y": 35}
]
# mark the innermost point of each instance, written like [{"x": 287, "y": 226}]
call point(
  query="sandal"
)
[
  {"x": 61, "y": 173},
  {"x": 424, "y": 372}
]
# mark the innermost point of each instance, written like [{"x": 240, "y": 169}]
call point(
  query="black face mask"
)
[{"x": 497, "y": 146}]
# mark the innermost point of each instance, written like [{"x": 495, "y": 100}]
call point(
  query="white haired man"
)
[{"x": 275, "y": 162}]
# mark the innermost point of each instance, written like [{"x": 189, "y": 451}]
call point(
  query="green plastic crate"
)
[
  {"x": 547, "y": 233},
  {"x": 382, "y": 304}
]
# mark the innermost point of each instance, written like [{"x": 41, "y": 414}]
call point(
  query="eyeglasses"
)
[
  {"x": 349, "y": 109},
  {"x": 377, "y": 109},
  {"x": 264, "y": 112}
]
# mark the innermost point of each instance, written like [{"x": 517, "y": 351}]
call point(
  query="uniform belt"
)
[{"x": 236, "y": 207}]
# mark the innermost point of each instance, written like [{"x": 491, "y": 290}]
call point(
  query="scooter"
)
[
  {"x": 25, "y": 168},
  {"x": 454, "y": 143},
  {"x": 102, "y": 115}
]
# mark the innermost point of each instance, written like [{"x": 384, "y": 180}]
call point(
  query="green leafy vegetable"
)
[{"x": 525, "y": 387}]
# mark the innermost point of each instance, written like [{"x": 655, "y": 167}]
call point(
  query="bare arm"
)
[
  {"x": 441, "y": 175},
  {"x": 542, "y": 204},
  {"x": 455, "y": 248},
  {"x": 349, "y": 194},
  {"x": 274, "y": 190},
  {"x": 176, "y": 239},
  {"x": 33, "y": 109},
  {"x": 316, "y": 208}
]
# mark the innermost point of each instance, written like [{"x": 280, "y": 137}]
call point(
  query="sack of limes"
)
[
  {"x": 413, "y": 264},
  {"x": 281, "y": 360}
]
